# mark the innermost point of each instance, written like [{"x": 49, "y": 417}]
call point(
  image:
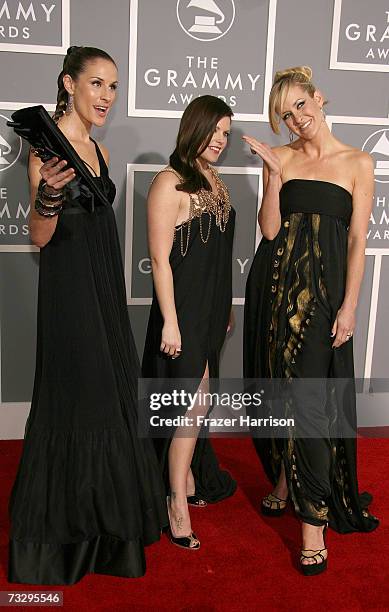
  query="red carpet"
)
[{"x": 245, "y": 562}]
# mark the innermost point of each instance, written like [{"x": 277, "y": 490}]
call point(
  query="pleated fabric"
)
[{"x": 88, "y": 496}]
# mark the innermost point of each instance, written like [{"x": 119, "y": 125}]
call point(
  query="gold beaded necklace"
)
[{"x": 217, "y": 205}]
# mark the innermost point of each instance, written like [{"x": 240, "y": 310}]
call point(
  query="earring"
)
[
  {"x": 323, "y": 113},
  {"x": 69, "y": 105},
  {"x": 291, "y": 135}
]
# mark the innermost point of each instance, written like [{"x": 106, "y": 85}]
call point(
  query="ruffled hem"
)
[{"x": 65, "y": 564}]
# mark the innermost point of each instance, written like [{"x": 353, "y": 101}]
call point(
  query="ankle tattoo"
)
[{"x": 179, "y": 522}]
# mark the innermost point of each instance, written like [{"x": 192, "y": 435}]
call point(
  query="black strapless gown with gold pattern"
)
[{"x": 295, "y": 287}]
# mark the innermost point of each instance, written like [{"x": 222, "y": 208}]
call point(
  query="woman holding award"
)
[{"x": 88, "y": 495}]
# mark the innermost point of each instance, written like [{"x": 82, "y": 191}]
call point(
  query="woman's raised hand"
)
[
  {"x": 264, "y": 151},
  {"x": 54, "y": 174}
]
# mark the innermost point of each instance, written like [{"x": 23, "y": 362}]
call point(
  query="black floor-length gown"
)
[
  {"x": 295, "y": 287},
  {"x": 88, "y": 494},
  {"x": 203, "y": 296}
]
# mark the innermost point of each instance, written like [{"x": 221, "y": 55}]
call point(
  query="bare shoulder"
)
[
  {"x": 281, "y": 149},
  {"x": 104, "y": 152},
  {"x": 363, "y": 160},
  {"x": 284, "y": 153},
  {"x": 357, "y": 158},
  {"x": 358, "y": 162},
  {"x": 164, "y": 183}
]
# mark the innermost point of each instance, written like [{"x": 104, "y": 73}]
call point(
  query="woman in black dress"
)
[
  {"x": 88, "y": 495},
  {"x": 300, "y": 307},
  {"x": 191, "y": 228}
]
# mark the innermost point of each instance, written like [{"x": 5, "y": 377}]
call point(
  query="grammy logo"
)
[
  {"x": 382, "y": 148},
  {"x": 204, "y": 23},
  {"x": 10, "y": 145},
  {"x": 5, "y": 149},
  {"x": 206, "y": 19}
]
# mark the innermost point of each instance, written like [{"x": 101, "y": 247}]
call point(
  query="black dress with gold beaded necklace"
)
[
  {"x": 295, "y": 287},
  {"x": 201, "y": 262}
]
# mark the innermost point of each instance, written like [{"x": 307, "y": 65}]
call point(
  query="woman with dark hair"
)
[
  {"x": 190, "y": 229},
  {"x": 301, "y": 297},
  {"x": 88, "y": 495}
]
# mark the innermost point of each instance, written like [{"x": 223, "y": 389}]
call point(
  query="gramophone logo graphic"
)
[
  {"x": 10, "y": 145},
  {"x": 206, "y": 20},
  {"x": 378, "y": 146}
]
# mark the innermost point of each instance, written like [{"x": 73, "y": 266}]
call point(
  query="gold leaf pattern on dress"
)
[
  {"x": 289, "y": 231},
  {"x": 300, "y": 310}
]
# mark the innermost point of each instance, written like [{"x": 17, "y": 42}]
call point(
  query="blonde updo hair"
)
[{"x": 283, "y": 79}]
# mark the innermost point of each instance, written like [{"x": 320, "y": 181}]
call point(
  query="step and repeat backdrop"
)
[{"x": 168, "y": 52}]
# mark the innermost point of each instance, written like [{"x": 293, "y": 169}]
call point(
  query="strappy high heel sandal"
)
[
  {"x": 312, "y": 569},
  {"x": 195, "y": 500},
  {"x": 271, "y": 505},
  {"x": 190, "y": 542}
]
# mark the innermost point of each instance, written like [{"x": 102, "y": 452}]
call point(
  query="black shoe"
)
[
  {"x": 195, "y": 500},
  {"x": 312, "y": 569},
  {"x": 273, "y": 500},
  {"x": 190, "y": 542}
]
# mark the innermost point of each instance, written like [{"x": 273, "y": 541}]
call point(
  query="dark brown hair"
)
[
  {"x": 74, "y": 63},
  {"x": 197, "y": 126}
]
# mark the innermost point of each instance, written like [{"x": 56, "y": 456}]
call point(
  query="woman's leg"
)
[
  {"x": 180, "y": 457},
  {"x": 275, "y": 502},
  {"x": 190, "y": 484},
  {"x": 281, "y": 488}
]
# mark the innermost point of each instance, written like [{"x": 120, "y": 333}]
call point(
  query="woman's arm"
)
[
  {"x": 269, "y": 217},
  {"x": 363, "y": 193},
  {"x": 43, "y": 228},
  {"x": 163, "y": 206}
]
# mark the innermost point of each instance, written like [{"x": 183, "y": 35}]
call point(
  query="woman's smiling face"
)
[{"x": 301, "y": 112}]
